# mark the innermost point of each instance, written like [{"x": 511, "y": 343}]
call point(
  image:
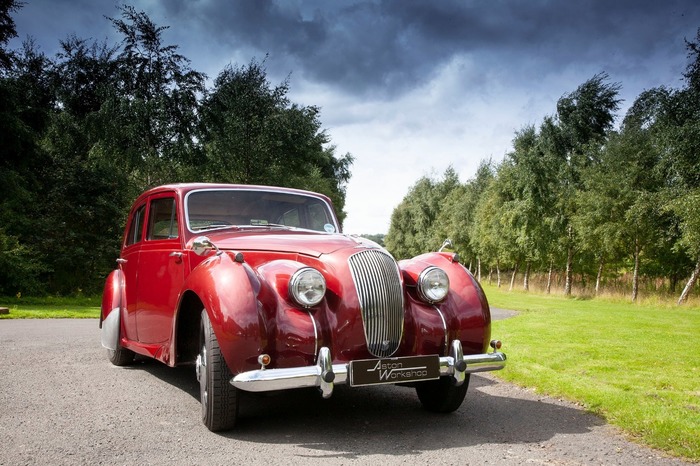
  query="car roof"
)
[{"x": 183, "y": 188}]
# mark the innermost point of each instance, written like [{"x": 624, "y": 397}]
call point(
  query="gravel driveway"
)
[{"x": 61, "y": 402}]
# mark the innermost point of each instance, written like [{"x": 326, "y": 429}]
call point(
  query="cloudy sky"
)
[{"x": 409, "y": 87}]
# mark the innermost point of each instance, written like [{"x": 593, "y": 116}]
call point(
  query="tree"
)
[
  {"x": 253, "y": 134},
  {"x": 686, "y": 207},
  {"x": 583, "y": 119},
  {"x": 25, "y": 106},
  {"x": 414, "y": 220},
  {"x": 456, "y": 217},
  {"x": 488, "y": 240},
  {"x": 149, "y": 123},
  {"x": 7, "y": 30}
]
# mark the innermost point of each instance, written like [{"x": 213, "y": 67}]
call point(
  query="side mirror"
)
[
  {"x": 446, "y": 244},
  {"x": 201, "y": 245}
]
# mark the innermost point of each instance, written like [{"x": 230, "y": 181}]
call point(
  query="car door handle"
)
[
  {"x": 176, "y": 254},
  {"x": 121, "y": 261}
]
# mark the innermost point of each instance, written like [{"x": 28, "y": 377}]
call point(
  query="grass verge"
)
[
  {"x": 636, "y": 365},
  {"x": 51, "y": 308}
]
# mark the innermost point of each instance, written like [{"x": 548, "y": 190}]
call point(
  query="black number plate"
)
[{"x": 394, "y": 370}]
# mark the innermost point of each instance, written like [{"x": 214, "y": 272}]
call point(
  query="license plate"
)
[{"x": 394, "y": 370}]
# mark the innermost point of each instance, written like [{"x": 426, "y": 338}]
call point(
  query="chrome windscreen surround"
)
[{"x": 378, "y": 282}]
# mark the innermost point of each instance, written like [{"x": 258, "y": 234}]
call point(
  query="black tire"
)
[
  {"x": 120, "y": 356},
  {"x": 442, "y": 395},
  {"x": 218, "y": 397}
]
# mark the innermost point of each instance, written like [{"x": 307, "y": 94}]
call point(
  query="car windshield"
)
[{"x": 227, "y": 208}]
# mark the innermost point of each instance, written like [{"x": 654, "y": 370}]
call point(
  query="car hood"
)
[{"x": 306, "y": 243}]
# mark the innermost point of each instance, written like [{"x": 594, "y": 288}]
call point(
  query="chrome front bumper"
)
[{"x": 325, "y": 374}]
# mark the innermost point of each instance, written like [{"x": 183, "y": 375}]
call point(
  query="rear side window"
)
[
  {"x": 162, "y": 223},
  {"x": 136, "y": 227}
]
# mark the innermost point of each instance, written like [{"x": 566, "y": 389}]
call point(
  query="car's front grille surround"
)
[{"x": 378, "y": 282}]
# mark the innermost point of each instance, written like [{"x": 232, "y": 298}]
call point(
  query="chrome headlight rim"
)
[
  {"x": 433, "y": 285},
  {"x": 307, "y": 287}
]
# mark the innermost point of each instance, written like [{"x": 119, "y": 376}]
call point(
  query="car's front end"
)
[{"x": 335, "y": 309}]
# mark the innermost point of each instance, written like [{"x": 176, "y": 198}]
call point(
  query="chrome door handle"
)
[
  {"x": 178, "y": 256},
  {"x": 121, "y": 261}
]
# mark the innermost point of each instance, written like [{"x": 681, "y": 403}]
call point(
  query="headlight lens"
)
[
  {"x": 433, "y": 284},
  {"x": 307, "y": 286}
]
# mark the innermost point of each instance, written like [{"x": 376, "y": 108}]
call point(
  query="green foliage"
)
[
  {"x": 87, "y": 131},
  {"x": 576, "y": 196},
  {"x": 413, "y": 223},
  {"x": 377, "y": 238},
  {"x": 253, "y": 134}
]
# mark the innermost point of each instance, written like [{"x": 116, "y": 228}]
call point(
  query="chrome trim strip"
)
[
  {"x": 256, "y": 189},
  {"x": 313, "y": 321},
  {"x": 324, "y": 374},
  {"x": 444, "y": 327}
]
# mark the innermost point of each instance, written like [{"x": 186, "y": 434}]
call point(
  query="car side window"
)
[
  {"x": 162, "y": 223},
  {"x": 136, "y": 227}
]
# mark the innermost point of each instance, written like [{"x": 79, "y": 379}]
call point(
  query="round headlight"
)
[
  {"x": 433, "y": 284},
  {"x": 307, "y": 286}
]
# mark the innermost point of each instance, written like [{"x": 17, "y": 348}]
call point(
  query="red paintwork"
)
[
  {"x": 248, "y": 304},
  {"x": 112, "y": 295}
]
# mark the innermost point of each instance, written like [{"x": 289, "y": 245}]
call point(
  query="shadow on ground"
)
[{"x": 345, "y": 425}]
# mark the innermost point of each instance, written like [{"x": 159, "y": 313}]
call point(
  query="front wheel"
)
[
  {"x": 218, "y": 397},
  {"x": 442, "y": 395}
]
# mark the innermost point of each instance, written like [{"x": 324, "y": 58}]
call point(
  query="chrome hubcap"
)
[{"x": 201, "y": 368}]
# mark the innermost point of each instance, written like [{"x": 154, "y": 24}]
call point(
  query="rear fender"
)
[
  {"x": 110, "y": 314},
  {"x": 228, "y": 290}
]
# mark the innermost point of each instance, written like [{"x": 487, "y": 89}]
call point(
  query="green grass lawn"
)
[
  {"x": 637, "y": 365},
  {"x": 51, "y": 308}
]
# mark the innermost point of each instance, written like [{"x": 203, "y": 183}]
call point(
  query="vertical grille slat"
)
[{"x": 378, "y": 283}]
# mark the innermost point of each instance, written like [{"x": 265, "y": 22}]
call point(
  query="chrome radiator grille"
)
[{"x": 378, "y": 284}]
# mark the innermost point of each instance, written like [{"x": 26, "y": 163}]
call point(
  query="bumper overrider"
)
[{"x": 325, "y": 374}]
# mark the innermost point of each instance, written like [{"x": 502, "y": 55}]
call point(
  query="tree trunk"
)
[
  {"x": 569, "y": 270},
  {"x": 478, "y": 268},
  {"x": 490, "y": 274},
  {"x": 512, "y": 277},
  {"x": 599, "y": 276},
  {"x": 498, "y": 274},
  {"x": 635, "y": 276},
  {"x": 690, "y": 284},
  {"x": 549, "y": 276},
  {"x": 526, "y": 279}
]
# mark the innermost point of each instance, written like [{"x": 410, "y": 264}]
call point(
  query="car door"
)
[
  {"x": 129, "y": 265},
  {"x": 161, "y": 270}
]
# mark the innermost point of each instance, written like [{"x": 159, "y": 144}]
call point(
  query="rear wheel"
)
[
  {"x": 120, "y": 356},
  {"x": 442, "y": 395},
  {"x": 218, "y": 397}
]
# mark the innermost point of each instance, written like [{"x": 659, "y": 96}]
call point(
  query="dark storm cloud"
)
[
  {"x": 389, "y": 46},
  {"x": 386, "y": 47}
]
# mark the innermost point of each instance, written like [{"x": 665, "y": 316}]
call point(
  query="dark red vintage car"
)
[{"x": 257, "y": 288}]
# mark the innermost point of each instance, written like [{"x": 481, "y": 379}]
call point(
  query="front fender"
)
[
  {"x": 465, "y": 309},
  {"x": 110, "y": 313},
  {"x": 293, "y": 330},
  {"x": 228, "y": 291}
]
